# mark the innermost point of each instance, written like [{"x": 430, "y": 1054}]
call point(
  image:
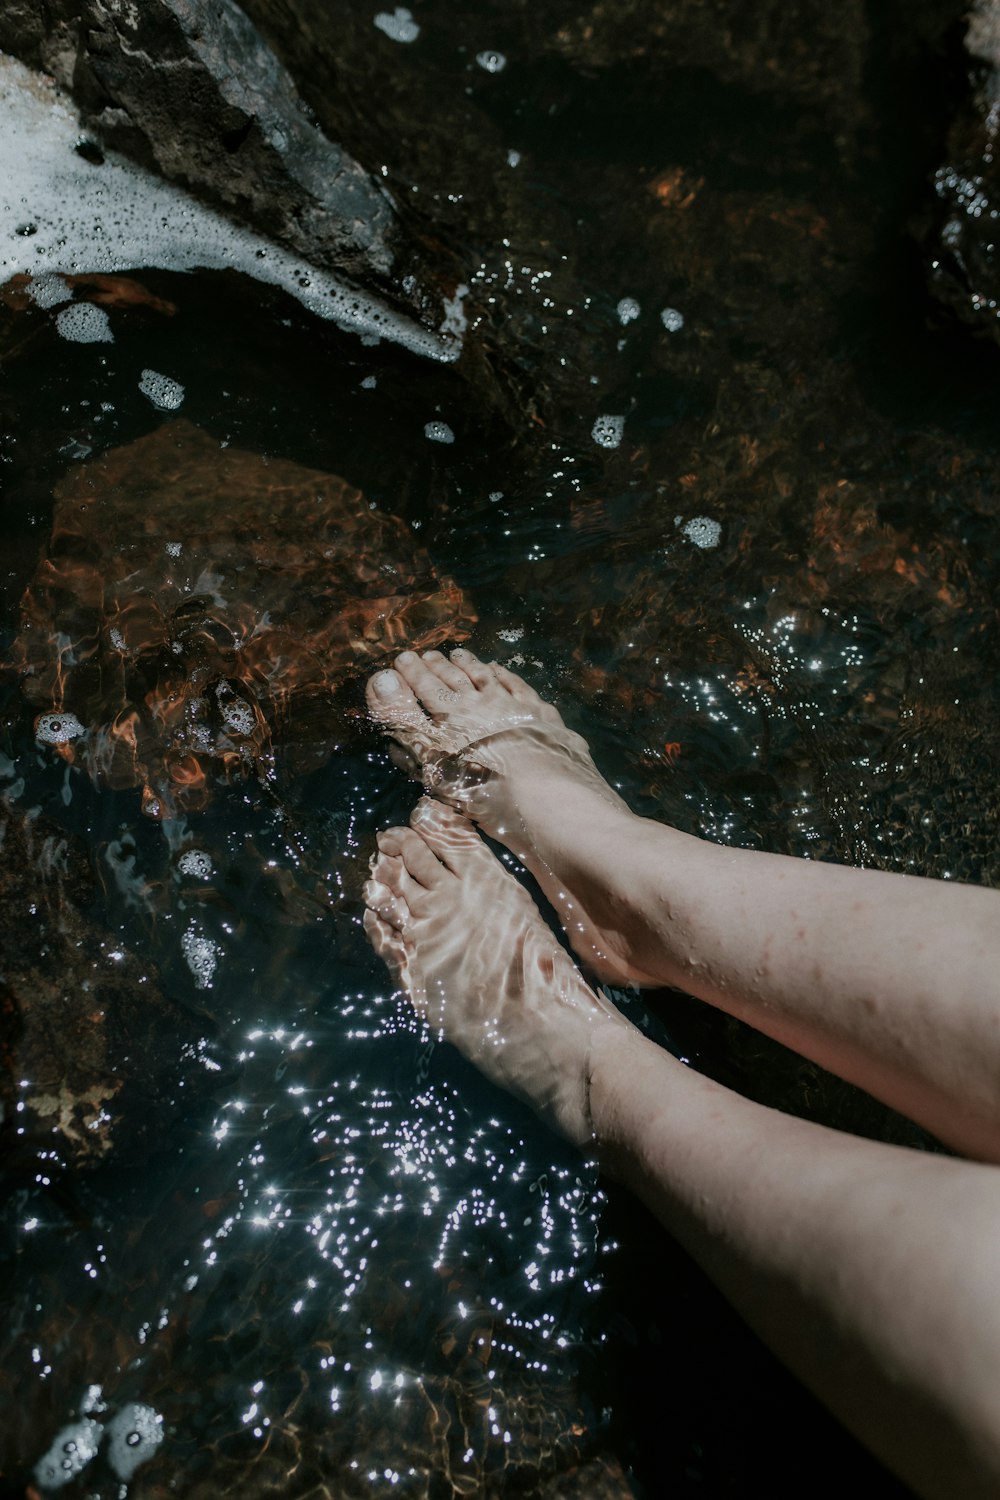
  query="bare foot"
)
[
  {"x": 479, "y": 964},
  {"x": 483, "y": 741}
]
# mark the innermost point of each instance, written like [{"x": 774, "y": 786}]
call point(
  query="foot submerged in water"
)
[
  {"x": 501, "y": 990},
  {"x": 483, "y": 741}
]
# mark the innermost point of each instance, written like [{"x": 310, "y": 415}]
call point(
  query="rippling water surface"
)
[{"x": 709, "y": 475}]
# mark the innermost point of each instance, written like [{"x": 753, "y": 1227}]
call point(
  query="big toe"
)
[
  {"x": 450, "y": 834},
  {"x": 392, "y": 703}
]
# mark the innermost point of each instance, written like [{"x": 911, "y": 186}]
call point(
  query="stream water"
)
[{"x": 711, "y": 475}]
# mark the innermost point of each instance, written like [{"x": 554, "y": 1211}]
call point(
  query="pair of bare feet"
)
[{"x": 461, "y": 935}]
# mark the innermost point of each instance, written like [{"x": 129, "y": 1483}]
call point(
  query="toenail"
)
[
  {"x": 386, "y": 684},
  {"x": 406, "y": 657},
  {"x": 460, "y": 651}
]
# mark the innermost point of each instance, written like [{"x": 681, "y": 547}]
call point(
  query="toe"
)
[
  {"x": 385, "y": 903},
  {"x": 416, "y": 855},
  {"x": 424, "y": 681},
  {"x": 516, "y": 686},
  {"x": 449, "y": 674},
  {"x": 447, "y": 834},
  {"x": 392, "y": 703},
  {"x": 386, "y": 940},
  {"x": 479, "y": 673}
]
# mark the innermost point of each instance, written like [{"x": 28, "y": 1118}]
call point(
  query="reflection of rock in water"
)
[
  {"x": 197, "y": 605},
  {"x": 84, "y": 1027}
]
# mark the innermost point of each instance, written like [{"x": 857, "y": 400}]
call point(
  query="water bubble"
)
[
  {"x": 513, "y": 158},
  {"x": 133, "y": 1437},
  {"x": 369, "y": 383},
  {"x": 400, "y": 26},
  {"x": 49, "y": 290},
  {"x": 201, "y": 956},
  {"x": 628, "y": 310},
  {"x": 166, "y": 394},
  {"x": 71, "y": 1451},
  {"x": 672, "y": 320},
  {"x": 608, "y": 431},
  {"x": 439, "y": 432},
  {"x": 493, "y": 62},
  {"x": 238, "y": 717},
  {"x": 57, "y": 728},
  {"x": 195, "y": 862},
  {"x": 83, "y": 323},
  {"x": 702, "y": 531}
]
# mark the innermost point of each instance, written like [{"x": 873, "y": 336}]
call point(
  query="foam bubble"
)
[
  {"x": 57, "y": 728},
  {"x": 164, "y": 393},
  {"x": 195, "y": 862},
  {"x": 201, "y": 956},
  {"x": 628, "y": 310},
  {"x": 49, "y": 291},
  {"x": 172, "y": 549},
  {"x": 608, "y": 431},
  {"x": 493, "y": 62},
  {"x": 133, "y": 1437},
  {"x": 672, "y": 320},
  {"x": 369, "y": 383},
  {"x": 702, "y": 531},
  {"x": 238, "y": 716},
  {"x": 455, "y": 322},
  {"x": 117, "y": 217},
  {"x": 400, "y": 26},
  {"x": 83, "y": 323},
  {"x": 71, "y": 1451},
  {"x": 513, "y": 158},
  {"x": 439, "y": 432}
]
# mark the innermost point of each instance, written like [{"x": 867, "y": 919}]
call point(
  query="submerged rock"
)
[
  {"x": 92, "y": 1052},
  {"x": 961, "y": 243},
  {"x": 197, "y": 606}
]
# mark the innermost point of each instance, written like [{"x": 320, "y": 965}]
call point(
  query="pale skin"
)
[{"x": 872, "y": 1270}]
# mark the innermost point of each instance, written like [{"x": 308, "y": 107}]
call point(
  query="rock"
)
[
  {"x": 191, "y": 89},
  {"x": 960, "y": 242},
  {"x": 198, "y": 605},
  {"x": 92, "y": 1052}
]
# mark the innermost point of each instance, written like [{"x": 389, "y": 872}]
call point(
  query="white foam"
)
[
  {"x": 195, "y": 862},
  {"x": 628, "y": 310},
  {"x": 238, "y": 717},
  {"x": 116, "y": 217},
  {"x": 133, "y": 1437},
  {"x": 202, "y": 956},
  {"x": 49, "y": 291},
  {"x": 455, "y": 322},
  {"x": 702, "y": 531},
  {"x": 438, "y": 432},
  {"x": 172, "y": 549},
  {"x": 57, "y": 728},
  {"x": 71, "y": 1451},
  {"x": 83, "y": 323},
  {"x": 400, "y": 26},
  {"x": 493, "y": 62},
  {"x": 165, "y": 393},
  {"x": 608, "y": 431},
  {"x": 369, "y": 383},
  {"x": 672, "y": 320},
  {"x": 513, "y": 158}
]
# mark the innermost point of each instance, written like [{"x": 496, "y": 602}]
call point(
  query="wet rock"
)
[
  {"x": 198, "y": 605},
  {"x": 93, "y": 1054},
  {"x": 191, "y": 89},
  {"x": 961, "y": 244}
]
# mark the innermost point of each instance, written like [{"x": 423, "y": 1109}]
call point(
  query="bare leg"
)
[
  {"x": 890, "y": 981},
  {"x": 871, "y": 1270}
]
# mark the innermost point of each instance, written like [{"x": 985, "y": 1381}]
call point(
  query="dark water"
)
[{"x": 327, "y": 1255}]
